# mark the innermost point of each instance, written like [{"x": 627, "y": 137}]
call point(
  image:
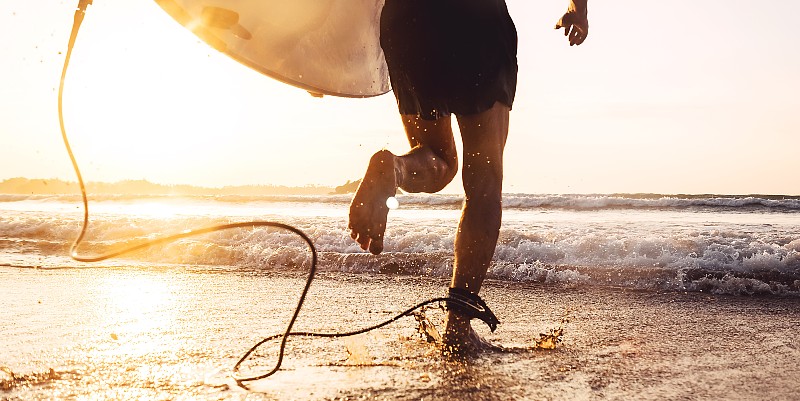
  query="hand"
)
[{"x": 575, "y": 24}]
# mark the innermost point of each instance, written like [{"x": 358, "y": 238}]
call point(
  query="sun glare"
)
[
  {"x": 137, "y": 308},
  {"x": 143, "y": 94},
  {"x": 154, "y": 209}
]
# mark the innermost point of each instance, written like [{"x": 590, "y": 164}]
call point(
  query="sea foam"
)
[{"x": 722, "y": 245}]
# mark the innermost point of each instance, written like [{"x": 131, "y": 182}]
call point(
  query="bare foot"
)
[
  {"x": 368, "y": 209},
  {"x": 461, "y": 340}
]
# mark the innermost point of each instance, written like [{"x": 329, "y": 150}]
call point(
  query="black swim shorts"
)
[{"x": 449, "y": 56}]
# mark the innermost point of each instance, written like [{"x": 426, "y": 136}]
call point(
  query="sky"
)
[{"x": 679, "y": 96}]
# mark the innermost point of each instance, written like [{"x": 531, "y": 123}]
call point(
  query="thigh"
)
[
  {"x": 436, "y": 135},
  {"x": 484, "y": 136}
]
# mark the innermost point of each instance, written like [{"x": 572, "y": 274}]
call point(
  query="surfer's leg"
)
[
  {"x": 484, "y": 136},
  {"x": 429, "y": 166},
  {"x": 432, "y": 161}
]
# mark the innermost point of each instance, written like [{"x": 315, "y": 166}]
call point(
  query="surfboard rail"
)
[{"x": 326, "y": 47}]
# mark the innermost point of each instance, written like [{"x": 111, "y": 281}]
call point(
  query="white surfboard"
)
[{"x": 328, "y": 47}]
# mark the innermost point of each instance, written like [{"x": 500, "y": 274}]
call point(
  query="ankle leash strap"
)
[{"x": 470, "y": 305}]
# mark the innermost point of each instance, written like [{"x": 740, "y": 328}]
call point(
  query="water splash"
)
[
  {"x": 552, "y": 338},
  {"x": 357, "y": 352},
  {"x": 427, "y": 329}
]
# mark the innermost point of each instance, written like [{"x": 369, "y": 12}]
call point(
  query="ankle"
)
[
  {"x": 387, "y": 163},
  {"x": 456, "y": 325}
]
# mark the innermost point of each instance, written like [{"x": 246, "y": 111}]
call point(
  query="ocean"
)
[
  {"x": 716, "y": 244},
  {"x": 645, "y": 288}
]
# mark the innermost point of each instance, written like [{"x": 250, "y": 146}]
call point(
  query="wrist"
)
[{"x": 579, "y": 7}]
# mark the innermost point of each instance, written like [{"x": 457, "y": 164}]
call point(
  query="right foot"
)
[
  {"x": 461, "y": 340},
  {"x": 368, "y": 210}
]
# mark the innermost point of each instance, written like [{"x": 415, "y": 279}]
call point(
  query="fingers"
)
[
  {"x": 578, "y": 35},
  {"x": 565, "y": 22},
  {"x": 575, "y": 29},
  {"x": 573, "y": 37},
  {"x": 575, "y": 34}
]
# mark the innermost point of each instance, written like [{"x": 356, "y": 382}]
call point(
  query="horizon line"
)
[{"x": 55, "y": 186}]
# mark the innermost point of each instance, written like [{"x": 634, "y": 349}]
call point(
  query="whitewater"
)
[{"x": 720, "y": 244}]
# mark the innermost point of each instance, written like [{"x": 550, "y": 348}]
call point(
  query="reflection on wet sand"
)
[{"x": 180, "y": 330}]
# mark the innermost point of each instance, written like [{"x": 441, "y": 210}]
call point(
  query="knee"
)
[
  {"x": 442, "y": 174},
  {"x": 483, "y": 182},
  {"x": 484, "y": 199},
  {"x": 444, "y": 163},
  {"x": 429, "y": 171},
  {"x": 446, "y": 171},
  {"x": 483, "y": 209}
]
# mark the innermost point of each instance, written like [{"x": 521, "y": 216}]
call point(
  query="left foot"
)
[{"x": 368, "y": 210}]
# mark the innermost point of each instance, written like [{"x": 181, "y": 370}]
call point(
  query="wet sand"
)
[{"x": 175, "y": 333}]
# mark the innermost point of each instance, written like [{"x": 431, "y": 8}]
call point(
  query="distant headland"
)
[{"x": 40, "y": 186}]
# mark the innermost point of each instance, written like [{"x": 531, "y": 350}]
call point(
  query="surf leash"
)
[
  {"x": 472, "y": 308},
  {"x": 466, "y": 303}
]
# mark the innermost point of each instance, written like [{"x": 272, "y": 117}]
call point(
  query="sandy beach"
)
[{"x": 175, "y": 333}]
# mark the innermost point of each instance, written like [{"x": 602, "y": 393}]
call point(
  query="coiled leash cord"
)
[{"x": 465, "y": 302}]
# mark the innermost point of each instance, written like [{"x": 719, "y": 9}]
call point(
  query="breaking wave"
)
[{"x": 510, "y": 201}]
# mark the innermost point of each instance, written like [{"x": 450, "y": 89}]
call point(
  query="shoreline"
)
[{"x": 172, "y": 334}]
